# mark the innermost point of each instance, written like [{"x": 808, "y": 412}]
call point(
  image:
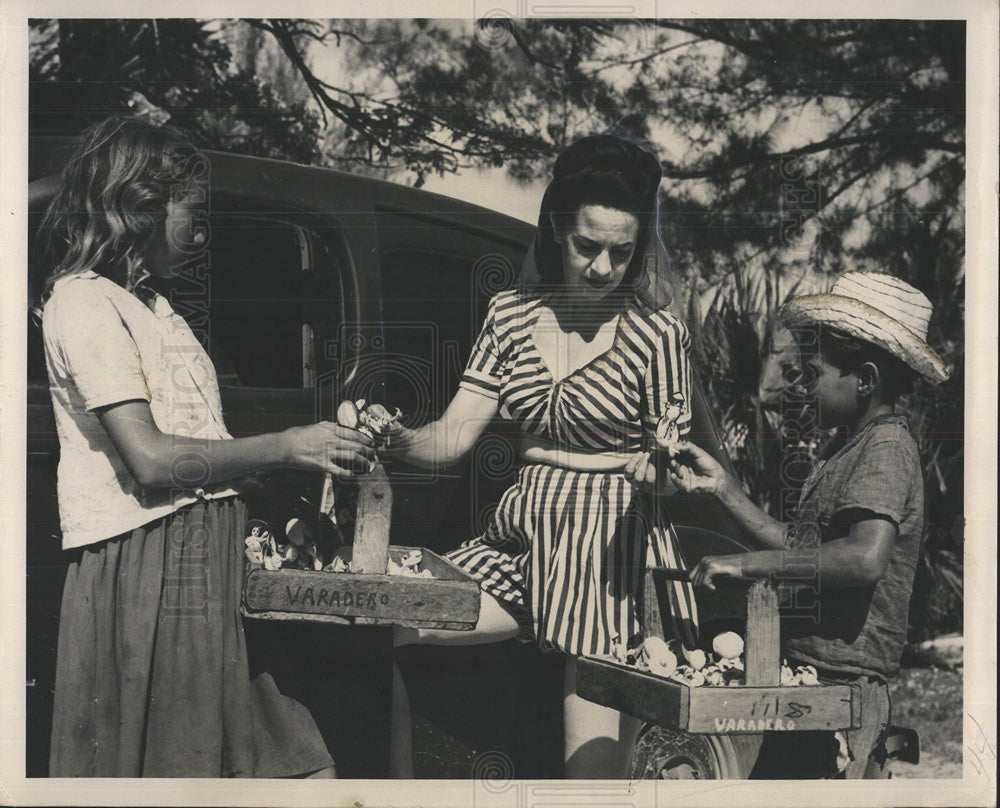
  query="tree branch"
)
[{"x": 724, "y": 166}]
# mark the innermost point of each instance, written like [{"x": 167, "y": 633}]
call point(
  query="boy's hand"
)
[
  {"x": 711, "y": 566},
  {"x": 694, "y": 470},
  {"x": 645, "y": 468}
]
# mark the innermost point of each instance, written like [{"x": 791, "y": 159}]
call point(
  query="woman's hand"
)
[
  {"x": 711, "y": 566},
  {"x": 400, "y": 441},
  {"x": 328, "y": 447},
  {"x": 694, "y": 470},
  {"x": 644, "y": 469}
]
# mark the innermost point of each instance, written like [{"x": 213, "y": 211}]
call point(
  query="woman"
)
[{"x": 586, "y": 370}]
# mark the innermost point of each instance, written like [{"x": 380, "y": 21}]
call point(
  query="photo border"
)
[{"x": 975, "y": 788}]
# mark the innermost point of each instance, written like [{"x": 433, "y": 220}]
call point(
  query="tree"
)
[{"x": 182, "y": 70}]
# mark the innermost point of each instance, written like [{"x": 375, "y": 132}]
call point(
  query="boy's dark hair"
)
[{"x": 847, "y": 354}]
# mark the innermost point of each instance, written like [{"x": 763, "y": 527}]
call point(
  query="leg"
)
[
  {"x": 495, "y": 624},
  {"x": 600, "y": 741}
]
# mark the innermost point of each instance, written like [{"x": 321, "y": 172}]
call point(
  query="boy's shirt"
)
[{"x": 877, "y": 473}]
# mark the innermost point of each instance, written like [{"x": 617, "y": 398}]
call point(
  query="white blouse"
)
[{"x": 104, "y": 346}]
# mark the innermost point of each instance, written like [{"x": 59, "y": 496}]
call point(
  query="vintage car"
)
[{"x": 317, "y": 286}]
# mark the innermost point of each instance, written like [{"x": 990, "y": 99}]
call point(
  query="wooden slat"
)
[
  {"x": 297, "y": 618},
  {"x": 717, "y": 710},
  {"x": 766, "y": 709},
  {"x": 449, "y": 625},
  {"x": 635, "y": 692},
  {"x": 371, "y": 529},
  {"x": 763, "y": 636},
  {"x": 384, "y": 597},
  {"x": 652, "y": 622}
]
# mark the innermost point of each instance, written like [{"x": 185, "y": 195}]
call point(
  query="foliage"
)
[{"x": 178, "y": 69}]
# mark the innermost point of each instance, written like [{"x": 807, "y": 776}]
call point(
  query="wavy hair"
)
[
  {"x": 606, "y": 170},
  {"x": 111, "y": 201}
]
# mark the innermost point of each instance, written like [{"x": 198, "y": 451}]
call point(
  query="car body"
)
[{"x": 320, "y": 285}]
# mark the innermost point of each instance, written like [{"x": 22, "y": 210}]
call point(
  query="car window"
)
[
  {"x": 265, "y": 299},
  {"x": 268, "y": 300},
  {"x": 431, "y": 316}
]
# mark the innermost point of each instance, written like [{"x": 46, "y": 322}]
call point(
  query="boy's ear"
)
[{"x": 869, "y": 378}]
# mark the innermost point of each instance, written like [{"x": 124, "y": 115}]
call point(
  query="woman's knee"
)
[{"x": 494, "y": 624}]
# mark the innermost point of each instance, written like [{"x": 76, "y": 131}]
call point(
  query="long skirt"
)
[
  {"x": 152, "y": 678},
  {"x": 565, "y": 553}
]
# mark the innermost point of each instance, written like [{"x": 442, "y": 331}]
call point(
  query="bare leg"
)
[
  {"x": 599, "y": 740},
  {"x": 495, "y": 624}
]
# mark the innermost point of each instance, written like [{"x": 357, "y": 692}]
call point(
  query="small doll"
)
[
  {"x": 668, "y": 430},
  {"x": 259, "y": 543},
  {"x": 373, "y": 420}
]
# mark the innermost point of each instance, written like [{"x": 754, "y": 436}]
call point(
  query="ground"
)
[{"x": 929, "y": 700}]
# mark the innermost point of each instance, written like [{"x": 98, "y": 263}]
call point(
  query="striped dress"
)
[{"x": 565, "y": 549}]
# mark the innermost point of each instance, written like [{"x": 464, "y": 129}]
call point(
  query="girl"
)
[
  {"x": 152, "y": 676},
  {"x": 586, "y": 369}
]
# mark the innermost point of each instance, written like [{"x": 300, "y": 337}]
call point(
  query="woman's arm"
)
[
  {"x": 159, "y": 460},
  {"x": 858, "y": 559},
  {"x": 449, "y": 439},
  {"x": 691, "y": 469}
]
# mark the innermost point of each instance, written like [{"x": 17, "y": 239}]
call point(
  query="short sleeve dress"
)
[{"x": 565, "y": 549}]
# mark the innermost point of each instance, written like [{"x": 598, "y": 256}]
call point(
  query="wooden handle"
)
[
  {"x": 763, "y": 649},
  {"x": 326, "y": 499},
  {"x": 371, "y": 529}
]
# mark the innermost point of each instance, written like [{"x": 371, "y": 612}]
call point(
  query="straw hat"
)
[{"x": 876, "y": 308}]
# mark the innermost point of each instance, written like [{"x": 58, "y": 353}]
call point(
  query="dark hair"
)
[
  {"x": 603, "y": 170},
  {"x": 847, "y": 354},
  {"x": 111, "y": 200}
]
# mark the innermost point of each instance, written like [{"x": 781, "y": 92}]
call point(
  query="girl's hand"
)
[
  {"x": 694, "y": 470},
  {"x": 711, "y": 566},
  {"x": 641, "y": 470},
  {"x": 328, "y": 447}
]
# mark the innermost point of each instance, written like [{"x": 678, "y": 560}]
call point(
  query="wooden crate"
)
[
  {"x": 721, "y": 710},
  {"x": 760, "y": 705},
  {"x": 449, "y": 600}
]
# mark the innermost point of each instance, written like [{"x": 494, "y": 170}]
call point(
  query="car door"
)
[{"x": 440, "y": 262}]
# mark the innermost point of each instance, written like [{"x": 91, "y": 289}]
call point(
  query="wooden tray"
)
[
  {"x": 720, "y": 710},
  {"x": 449, "y": 600}
]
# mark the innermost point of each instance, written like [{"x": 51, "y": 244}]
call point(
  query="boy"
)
[{"x": 859, "y": 521}]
